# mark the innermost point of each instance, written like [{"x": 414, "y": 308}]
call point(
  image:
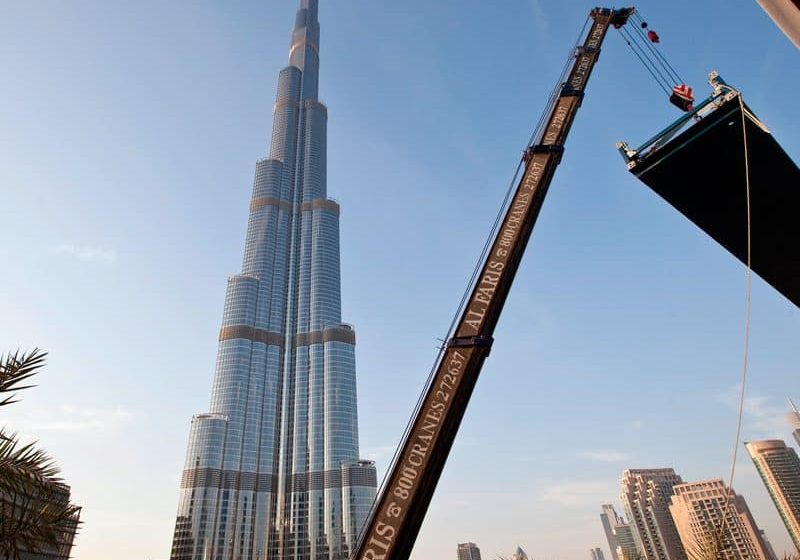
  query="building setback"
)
[
  {"x": 699, "y": 508},
  {"x": 779, "y": 468},
  {"x": 469, "y": 551},
  {"x": 272, "y": 469},
  {"x": 646, "y": 494}
]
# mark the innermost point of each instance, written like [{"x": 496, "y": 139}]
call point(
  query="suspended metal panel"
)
[{"x": 701, "y": 173}]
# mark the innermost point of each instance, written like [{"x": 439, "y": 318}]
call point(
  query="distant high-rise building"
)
[
  {"x": 469, "y": 551},
  {"x": 618, "y": 533},
  {"x": 646, "y": 497},
  {"x": 779, "y": 467},
  {"x": 610, "y": 520},
  {"x": 519, "y": 554},
  {"x": 596, "y": 554},
  {"x": 699, "y": 508},
  {"x": 272, "y": 470},
  {"x": 768, "y": 545},
  {"x": 794, "y": 421},
  {"x": 626, "y": 543}
]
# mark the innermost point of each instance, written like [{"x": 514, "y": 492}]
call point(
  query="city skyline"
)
[
  {"x": 273, "y": 469},
  {"x": 131, "y": 135}
]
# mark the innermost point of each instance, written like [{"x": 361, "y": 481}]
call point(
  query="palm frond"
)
[
  {"x": 16, "y": 368},
  {"x": 35, "y": 523},
  {"x": 24, "y": 469},
  {"x": 708, "y": 547},
  {"x": 35, "y": 513}
]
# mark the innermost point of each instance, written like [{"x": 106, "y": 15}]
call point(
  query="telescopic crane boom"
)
[{"x": 391, "y": 530}]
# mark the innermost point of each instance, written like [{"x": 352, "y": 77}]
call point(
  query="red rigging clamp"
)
[
  {"x": 652, "y": 35},
  {"x": 682, "y": 97}
]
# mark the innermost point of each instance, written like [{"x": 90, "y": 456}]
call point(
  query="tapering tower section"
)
[
  {"x": 273, "y": 469},
  {"x": 794, "y": 421}
]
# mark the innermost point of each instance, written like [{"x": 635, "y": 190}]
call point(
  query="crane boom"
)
[{"x": 397, "y": 515}]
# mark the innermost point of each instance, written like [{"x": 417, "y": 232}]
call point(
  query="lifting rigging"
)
[{"x": 642, "y": 41}]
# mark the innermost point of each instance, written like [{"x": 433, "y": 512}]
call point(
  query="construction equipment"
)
[
  {"x": 720, "y": 166},
  {"x": 392, "y": 528}
]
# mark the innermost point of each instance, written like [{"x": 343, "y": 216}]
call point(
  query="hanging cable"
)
[
  {"x": 746, "y": 343},
  {"x": 658, "y": 56},
  {"x": 432, "y": 372},
  {"x": 656, "y": 52},
  {"x": 648, "y": 59},
  {"x": 475, "y": 272},
  {"x": 661, "y": 82},
  {"x": 537, "y": 130}
]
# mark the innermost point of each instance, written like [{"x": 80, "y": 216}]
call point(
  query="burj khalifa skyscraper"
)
[{"x": 273, "y": 469}]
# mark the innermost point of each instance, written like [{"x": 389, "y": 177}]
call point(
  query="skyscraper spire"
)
[
  {"x": 272, "y": 470},
  {"x": 794, "y": 421}
]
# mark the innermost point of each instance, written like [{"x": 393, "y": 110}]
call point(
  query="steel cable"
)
[
  {"x": 470, "y": 284},
  {"x": 659, "y": 55},
  {"x": 663, "y": 84},
  {"x": 746, "y": 343}
]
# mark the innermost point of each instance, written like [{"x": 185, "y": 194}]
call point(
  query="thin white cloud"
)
[
  {"x": 378, "y": 453},
  {"x": 68, "y": 426},
  {"x": 87, "y": 254},
  {"x": 604, "y": 455},
  {"x": 577, "y": 493},
  {"x": 763, "y": 417},
  {"x": 482, "y": 500},
  {"x": 72, "y": 419}
]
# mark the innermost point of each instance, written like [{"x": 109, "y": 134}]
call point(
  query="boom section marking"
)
[{"x": 392, "y": 529}]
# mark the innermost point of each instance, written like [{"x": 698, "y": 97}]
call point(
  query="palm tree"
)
[
  {"x": 33, "y": 512},
  {"x": 710, "y": 546}
]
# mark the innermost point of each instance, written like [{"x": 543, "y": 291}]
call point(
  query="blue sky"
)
[{"x": 129, "y": 133}]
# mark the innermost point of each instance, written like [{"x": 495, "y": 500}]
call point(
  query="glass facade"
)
[
  {"x": 272, "y": 470},
  {"x": 779, "y": 468}
]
